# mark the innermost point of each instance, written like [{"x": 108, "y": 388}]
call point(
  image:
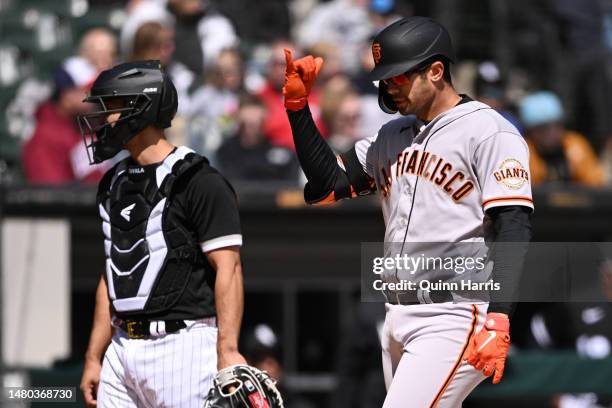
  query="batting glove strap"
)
[{"x": 497, "y": 322}]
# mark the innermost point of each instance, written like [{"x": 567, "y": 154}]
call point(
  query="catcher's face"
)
[
  {"x": 114, "y": 104},
  {"x": 415, "y": 93}
]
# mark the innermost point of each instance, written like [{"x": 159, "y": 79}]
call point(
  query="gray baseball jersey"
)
[{"x": 438, "y": 179}]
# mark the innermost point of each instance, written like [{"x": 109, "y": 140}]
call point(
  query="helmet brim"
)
[{"x": 390, "y": 70}]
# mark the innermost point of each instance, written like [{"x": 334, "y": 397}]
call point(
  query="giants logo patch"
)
[
  {"x": 511, "y": 174},
  {"x": 376, "y": 52}
]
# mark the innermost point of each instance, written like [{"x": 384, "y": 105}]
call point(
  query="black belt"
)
[
  {"x": 139, "y": 329},
  {"x": 418, "y": 297}
]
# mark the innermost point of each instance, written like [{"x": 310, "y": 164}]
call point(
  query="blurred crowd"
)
[{"x": 226, "y": 59}]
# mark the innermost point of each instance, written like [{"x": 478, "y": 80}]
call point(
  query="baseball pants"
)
[
  {"x": 169, "y": 370},
  {"x": 422, "y": 350}
]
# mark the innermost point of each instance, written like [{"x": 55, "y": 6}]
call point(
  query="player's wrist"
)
[
  {"x": 92, "y": 357},
  {"x": 227, "y": 347},
  {"x": 296, "y": 104}
]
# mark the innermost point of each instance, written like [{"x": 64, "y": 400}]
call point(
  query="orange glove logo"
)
[
  {"x": 488, "y": 350},
  {"x": 300, "y": 76}
]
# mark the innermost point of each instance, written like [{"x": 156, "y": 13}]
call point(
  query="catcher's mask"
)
[
  {"x": 143, "y": 96},
  {"x": 405, "y": 46},
  {"x": 243, "y": 386}
]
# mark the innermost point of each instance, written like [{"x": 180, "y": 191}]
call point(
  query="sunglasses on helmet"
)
[{"x": 401, "y": 79}]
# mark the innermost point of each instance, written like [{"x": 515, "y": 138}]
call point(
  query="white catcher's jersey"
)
[{"x": 437, "y": 180}]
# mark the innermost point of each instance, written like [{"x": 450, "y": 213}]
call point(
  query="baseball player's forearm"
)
[
  {"x": 102, "y": 331},
  {"x": 229, "y": 299},
  {"x": 327, "y": 181},
  {"x": 314, "y": 154},
  {"x": 511, "y": 225}
]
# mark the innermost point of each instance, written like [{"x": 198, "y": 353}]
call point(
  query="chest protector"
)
[{"x": 149, "y": 254}]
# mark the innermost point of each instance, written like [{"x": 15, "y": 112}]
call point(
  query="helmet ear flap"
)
[
  {"x": 168, "y": 103},
  {"x": 384, "y": 99}
]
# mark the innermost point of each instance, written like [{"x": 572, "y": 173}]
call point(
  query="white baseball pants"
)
[
  {"x": 422, "y": 349},
  {"x": 168, "y": 371}
]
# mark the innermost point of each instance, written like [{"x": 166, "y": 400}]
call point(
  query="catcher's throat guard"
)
[{"x": 243, "y": 386}]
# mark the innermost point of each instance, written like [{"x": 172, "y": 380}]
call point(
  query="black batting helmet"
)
[
  {"x": 147, "y": 97},
  {"x": 405, "y": 45}
]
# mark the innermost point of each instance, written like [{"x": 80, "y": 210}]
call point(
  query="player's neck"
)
[
  {"x": 445, "y": 100},
  {"x": 148, "y": 147}
]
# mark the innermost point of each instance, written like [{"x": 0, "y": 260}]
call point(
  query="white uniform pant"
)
[
  {"x": 173, "y": 370},
  {"x": 422, "y": 349}
]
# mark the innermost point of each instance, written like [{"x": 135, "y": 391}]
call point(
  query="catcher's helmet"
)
[
  {"x": 405, "y": 45},
  {"x": 147, "y": 97}
]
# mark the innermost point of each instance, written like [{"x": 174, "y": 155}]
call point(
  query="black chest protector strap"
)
[{"x": 150, "y": 255}]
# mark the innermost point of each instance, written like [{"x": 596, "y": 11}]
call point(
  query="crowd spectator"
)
[
  {"x": 489, "y": 88},
  {"x": 276, "y": 126},
  {"x": 249, "y": 155},
  {"x": 55, "y": 154},
  {"x": 372, "y": 117},
  {"x": 214, "y": 105},
  {"x": 153, "y": 41},
  {"x": 201, "y": 31},
  {"x": 344, "y": 129},
  {"x": 341, "y": 111},
  {"x": 262, "y": 350},
  {"x": 343, "y": 23},
  {"x": 348, "y": 115},
  {"x": 361, "y": 78},
  {"x": 556, "y": 154},
  {"x": 99, "y": 47},
  {"x": 139, "y": 13}
]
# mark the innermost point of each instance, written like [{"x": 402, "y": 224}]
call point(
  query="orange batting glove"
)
[
  {"x": 487, "y": 351},
  {"x": 300, "y": 76}
]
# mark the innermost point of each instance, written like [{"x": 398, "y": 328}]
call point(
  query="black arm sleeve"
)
[
  {"x": 316, "y": 157},
  {"x": 511, "y": 225},
  {"x": 320, "y": 164}
]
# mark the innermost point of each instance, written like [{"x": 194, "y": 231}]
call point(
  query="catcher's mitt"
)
[{"x": 243, "y": 386}]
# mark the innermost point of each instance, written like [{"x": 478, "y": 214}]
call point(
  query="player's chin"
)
[{"x": 405, "y": 109}]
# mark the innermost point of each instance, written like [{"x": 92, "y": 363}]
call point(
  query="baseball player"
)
[
  {"x": 449, "y": 170},
  {"x": 169, "y": 307}
]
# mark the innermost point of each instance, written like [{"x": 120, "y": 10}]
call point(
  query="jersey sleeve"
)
[
  {"x": 214, "y": 212},
  {"x": 365, "y": 154},
  {"x": 502, "y": 168}
]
